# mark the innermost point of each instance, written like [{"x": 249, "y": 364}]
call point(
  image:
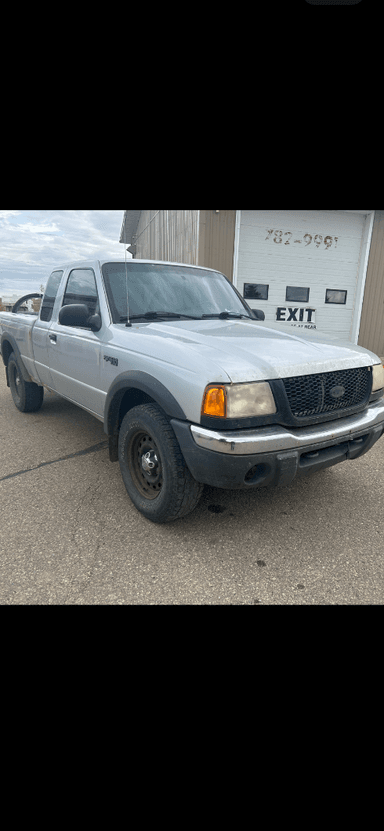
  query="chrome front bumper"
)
[{"x": 271, "y": 439}]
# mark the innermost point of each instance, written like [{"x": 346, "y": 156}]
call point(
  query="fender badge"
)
[{"x": 113, "y": 361}]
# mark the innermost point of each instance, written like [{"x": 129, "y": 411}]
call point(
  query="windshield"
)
[{"x": 180, "y": 290}]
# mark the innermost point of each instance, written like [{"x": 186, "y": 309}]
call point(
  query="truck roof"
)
[{"x": 91, "y": 263}]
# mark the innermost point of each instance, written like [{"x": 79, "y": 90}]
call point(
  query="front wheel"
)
[
  {"x": 153, "y": 468},
  {"x": 27, "y": 396}
]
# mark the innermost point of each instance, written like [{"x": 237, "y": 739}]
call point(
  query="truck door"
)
[
  {"x": 74, "y": 351},
  {"x": 40, "y": 330}
]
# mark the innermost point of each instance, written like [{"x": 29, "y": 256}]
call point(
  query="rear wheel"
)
[
  {"x": 27, "y": 396},
  {"x": 153, "y": 468}
]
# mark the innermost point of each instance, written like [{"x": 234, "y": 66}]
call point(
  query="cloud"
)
[
  {"x": 44, "y": 228},
  {"x": 32, "y": 243},
  {"x": 5, "y": 214}
]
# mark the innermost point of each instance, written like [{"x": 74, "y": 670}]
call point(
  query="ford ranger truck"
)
[{"x": 191, "y": 384}]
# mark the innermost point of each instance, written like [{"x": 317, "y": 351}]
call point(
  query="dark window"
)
[
  {"x": 81, "y": 288},
  {"x": 297, "y": 294},
  {"x": 255, "y": 291},
  {"x": 50, "y": 295},
  {"x": 335, "y": 296}
]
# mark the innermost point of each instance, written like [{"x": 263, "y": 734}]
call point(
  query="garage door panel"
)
[
  {"x": 319, "y": 221},
  {"x": 293, "y": 244},
  {"x": 315, "y": 249}
]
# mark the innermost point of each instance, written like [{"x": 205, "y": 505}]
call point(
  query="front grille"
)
[{"x": 310, "y": 395}]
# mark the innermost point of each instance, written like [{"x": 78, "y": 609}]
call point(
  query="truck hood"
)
[{"x": 249, "y": 350}]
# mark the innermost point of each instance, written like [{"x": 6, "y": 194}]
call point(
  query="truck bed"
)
[{"x": 19, "y": 327}]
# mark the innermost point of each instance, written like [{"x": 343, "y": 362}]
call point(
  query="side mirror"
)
[
  {"x": 258, "y": 314},
  {"x": 94, "y": 321},
  {"x": 77, "y": 314}
]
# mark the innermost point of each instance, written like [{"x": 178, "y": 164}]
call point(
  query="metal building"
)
[{"x": 320, "y": 270}]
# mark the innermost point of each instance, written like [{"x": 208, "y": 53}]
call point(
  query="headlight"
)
[
  {"x": 377, "y": 377},
  {"x": 238, "y": 400}
]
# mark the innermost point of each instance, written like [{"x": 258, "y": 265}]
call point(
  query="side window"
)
[
  {"x": 50, "y": 295},
  {"x": 81, "y": 288}
]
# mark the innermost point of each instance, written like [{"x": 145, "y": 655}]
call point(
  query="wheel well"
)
[
  {"x": 6, "y": 349},
  {"x": 123, "y": 401},
  {"x": 132, "y": 398}
]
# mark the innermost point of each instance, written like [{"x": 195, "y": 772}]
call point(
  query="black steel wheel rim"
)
[{"x": 145, "y": 465}]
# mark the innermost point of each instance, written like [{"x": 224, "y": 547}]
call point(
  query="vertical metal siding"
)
[
  {"x": 216, "y": 240},
  {"x": 371, "y": 333},
  {"x": 168, "y": 235}
]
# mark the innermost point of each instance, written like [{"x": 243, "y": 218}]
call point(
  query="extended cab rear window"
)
[{"x": 50, "y": 295}]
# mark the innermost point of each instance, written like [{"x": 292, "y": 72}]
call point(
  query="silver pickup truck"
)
[{"x": 191, "y": 385}]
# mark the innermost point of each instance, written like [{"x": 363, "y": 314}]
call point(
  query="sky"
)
[{"x": 33, "y": 243}]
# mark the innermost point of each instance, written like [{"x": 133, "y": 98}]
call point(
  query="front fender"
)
[{"x": 147, "y": 384}]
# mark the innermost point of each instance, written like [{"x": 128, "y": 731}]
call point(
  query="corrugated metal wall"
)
[
  {"x": 371, "y": 334},
  {"x": 168, "y": 235},
  {"x": 216, "y": 240}
]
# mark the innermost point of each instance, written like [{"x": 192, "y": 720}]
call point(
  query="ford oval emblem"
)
[{"x": 337, "y": 392}]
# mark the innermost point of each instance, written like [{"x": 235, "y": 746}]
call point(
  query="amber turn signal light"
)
[{"x": 214, "y": 401}]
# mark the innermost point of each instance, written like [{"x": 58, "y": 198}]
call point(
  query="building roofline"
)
[{"x": 129, "y": 226}]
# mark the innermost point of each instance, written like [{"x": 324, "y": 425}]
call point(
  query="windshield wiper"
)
[
  {"x": 176, "y": 315},
  {"x": 157, "y": 315},
  {"x": 226, "y": 315}
]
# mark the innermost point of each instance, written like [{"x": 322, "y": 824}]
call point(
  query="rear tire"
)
[
  {"x": 27, "y": 397},
  {"x": 153, "y": 468}
]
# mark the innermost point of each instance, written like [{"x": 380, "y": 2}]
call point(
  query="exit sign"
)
[{"x": 301, "y": 316}]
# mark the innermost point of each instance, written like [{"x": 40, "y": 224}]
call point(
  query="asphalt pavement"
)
[{"x": 71, "y": 536}]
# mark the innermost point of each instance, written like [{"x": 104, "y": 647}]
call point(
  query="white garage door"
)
[{"x": 303, "y": 268}]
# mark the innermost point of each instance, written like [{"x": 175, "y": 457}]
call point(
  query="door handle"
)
[{"x": 53, "y": 338}]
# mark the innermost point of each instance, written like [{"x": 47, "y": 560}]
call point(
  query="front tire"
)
[
  {"x": 27, "y": 397},
  {"x": 153, "y": 468}
]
